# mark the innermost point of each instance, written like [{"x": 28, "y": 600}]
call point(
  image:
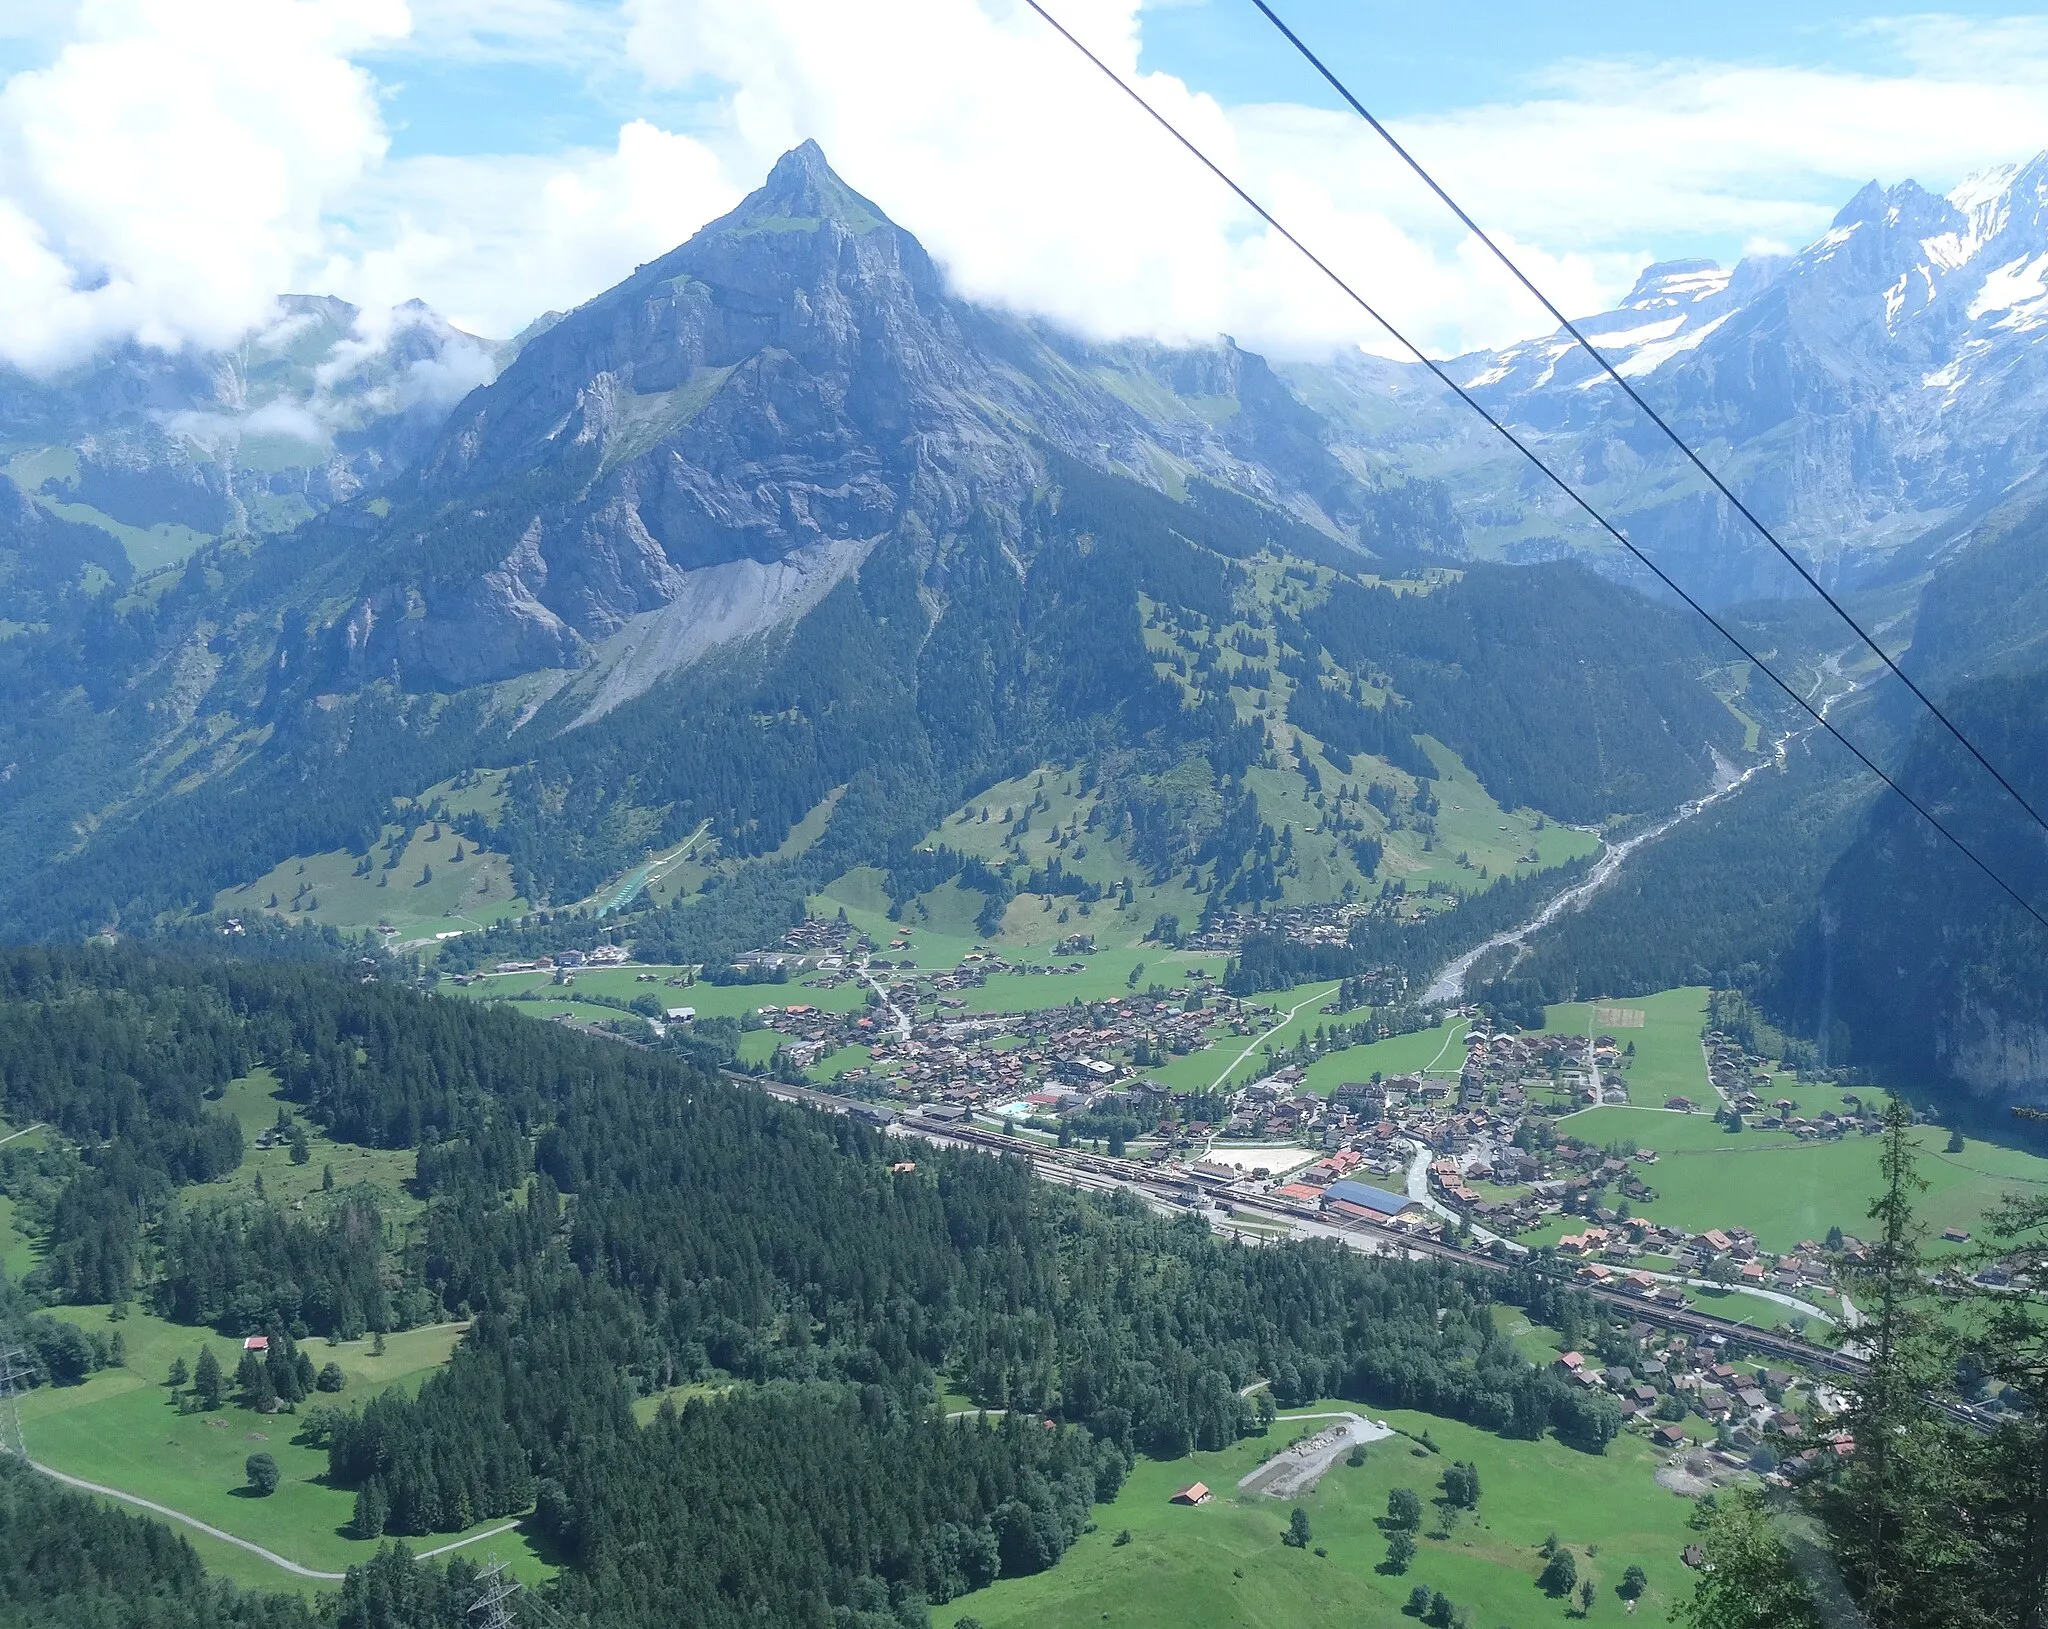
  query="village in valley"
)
[
  {"x": 1433, "y": 1122},
  {"x": 1309, "y": 1110}
]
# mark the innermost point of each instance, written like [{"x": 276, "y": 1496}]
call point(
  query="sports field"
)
[
  {"x": 1223, "y": 1563},
  {"x": 1667, "y": 1061}
]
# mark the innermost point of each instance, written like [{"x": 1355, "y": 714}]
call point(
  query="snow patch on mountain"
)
[
  {"x": 1655, "y": 354},
  {"x": 2013, "y": 287},
  {"x": 1889, "y": 378}
]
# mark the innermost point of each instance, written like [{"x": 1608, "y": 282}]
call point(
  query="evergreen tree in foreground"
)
[{"x": 1899, "y": 1511}]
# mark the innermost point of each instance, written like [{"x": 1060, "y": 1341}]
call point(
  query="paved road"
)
[
  {"x": 1418, "y": 1190},
  {"x": 1804, "y": 1308},
  {"x": 1278, "y": 1025},
  {"x": 902, "y": 1018},
  {"x": 211, "y": 1531}
]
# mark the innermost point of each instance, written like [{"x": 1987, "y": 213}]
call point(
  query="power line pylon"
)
[
  {"x": 491, "y": 1609},
  {"x": 14, "y": 1374}
]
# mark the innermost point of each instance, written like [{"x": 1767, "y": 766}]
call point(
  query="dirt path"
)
[
  {"x": 211, "y": 1531},
  {"x": 193, "y": 1522}
]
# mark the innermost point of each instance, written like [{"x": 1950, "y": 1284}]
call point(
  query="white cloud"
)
[
  {"x": 1021, "y": 168},
  {"x": 492, "y": 242},
  {"x": 1611, "y": 149},
  {"x": 168, "y": 172},
  {"x": 555, "y": 32},
  {"x": 1039, "y": 185},
  {"x": 180, "y": 161}
]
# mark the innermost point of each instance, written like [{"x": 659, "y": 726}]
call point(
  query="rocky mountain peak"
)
[
  {"x": 701, "y": 453},
  {"x": 1869, "y": 204},
  {"x": 801, "y": 231},
  {"x": 1992, "y": 200},
  {"x": 803, "y": 189},
  {"x": 804, "y": 305}
]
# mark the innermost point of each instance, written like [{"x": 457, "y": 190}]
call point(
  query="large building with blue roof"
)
[{"x": 1375, "y": 1203}]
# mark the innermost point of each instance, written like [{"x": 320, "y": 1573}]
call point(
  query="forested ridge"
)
[
  {"x": 1560, "y": 693},
  {"x": 619, "y": 1224}
]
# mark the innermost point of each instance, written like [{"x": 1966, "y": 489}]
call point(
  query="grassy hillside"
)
[
  {"x": 1223, "y": 1563},
  {"x": 122, "y": 1429},
  {"x": 421, "y": 881}
]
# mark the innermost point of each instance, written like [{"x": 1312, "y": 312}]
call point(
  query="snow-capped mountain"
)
[
  {"x": 1868, "y": 396},
  {"x": 1674, "y": 306}
]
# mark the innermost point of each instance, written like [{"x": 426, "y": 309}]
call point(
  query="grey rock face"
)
[
  {"x": 1993, "y": 1054},
  {"x": 742, "y": 420}
]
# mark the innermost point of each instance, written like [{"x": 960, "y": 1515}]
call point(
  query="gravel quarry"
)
[{"x": 1296, "y": 1470}]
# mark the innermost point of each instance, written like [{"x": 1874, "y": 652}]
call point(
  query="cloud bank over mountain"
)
[{"x": 168, "y": 166}]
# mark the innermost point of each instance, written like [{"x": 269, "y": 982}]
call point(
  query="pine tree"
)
[
  {"x": 206, "y": 1379},
  {"x": 1903, "y": 1547},
  {"x": 372, "y": 1509},
  {"x": 1750, "y": 1581},
  {"x": 2012, "y": 1347}
]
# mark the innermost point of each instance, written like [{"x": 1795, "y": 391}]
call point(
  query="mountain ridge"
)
[{"x": 1888, "y": 380}]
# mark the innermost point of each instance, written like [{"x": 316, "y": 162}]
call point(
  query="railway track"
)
[
  {"x": 1099, "y": 1171},
  {"x": 1145, "y": 1179}
]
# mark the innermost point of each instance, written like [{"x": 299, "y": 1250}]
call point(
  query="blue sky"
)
[
  {"x": 167, "y": 165},
  {"x": 1403, "y": 59},
  {"x": 1409, "y": 58}
]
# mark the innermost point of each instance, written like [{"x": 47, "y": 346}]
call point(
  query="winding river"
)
[{"x": 1449, "y": 984}]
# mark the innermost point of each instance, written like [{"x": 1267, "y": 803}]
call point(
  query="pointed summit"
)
[
  {"x": 805, "y": 162},
  {"x": 802, "y": 191},
  {"x": 1869, "y": 204}
]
